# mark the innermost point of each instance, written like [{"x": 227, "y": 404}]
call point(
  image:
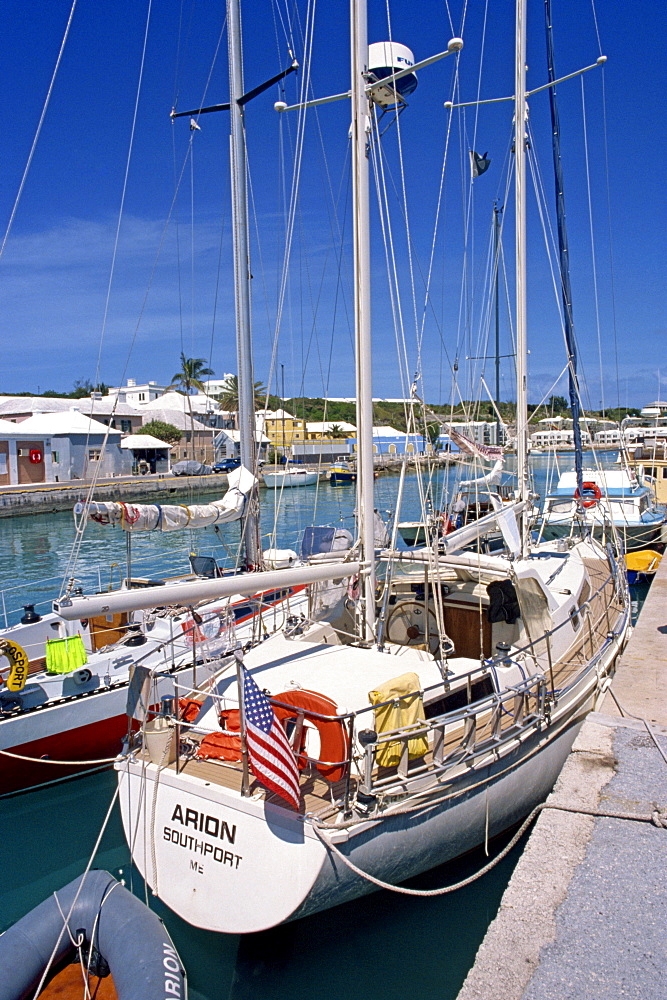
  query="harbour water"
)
[{"x": 382, "y": 947}]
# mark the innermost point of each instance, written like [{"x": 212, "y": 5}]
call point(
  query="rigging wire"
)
[
  {"x": 596, "y": 299},
  {"x": 612, "y": 268},
  {"x": 38, "y": 129}
]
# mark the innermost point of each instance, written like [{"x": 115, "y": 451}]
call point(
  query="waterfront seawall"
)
[
  {"x": 584, "y": 914},
  {"x": 45, "y": 498}
]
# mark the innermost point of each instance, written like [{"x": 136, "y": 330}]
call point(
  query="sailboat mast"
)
[
  {"x": 362, "y": 302},
  {"x": 496, "y": 264},
  {"x": 246, "y": 402},
  {"x": 520, "y": 108},
  {"x": 564, "y": 260}
]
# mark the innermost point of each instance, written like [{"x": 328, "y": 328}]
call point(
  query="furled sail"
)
[
  {"x": 490, "y": 480},
  {"x": 491, "y": 453},
  {"x": 173, "y": 517}
]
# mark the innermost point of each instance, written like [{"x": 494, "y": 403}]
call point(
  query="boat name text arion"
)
[{"x": 203, "y": 823}]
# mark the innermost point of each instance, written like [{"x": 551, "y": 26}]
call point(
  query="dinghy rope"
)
[{"x": 65, "y": 927}]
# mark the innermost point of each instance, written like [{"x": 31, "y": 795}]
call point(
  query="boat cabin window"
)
[
  {"x": 560, "y": 506},
  {"x": 454, "y": 700}
]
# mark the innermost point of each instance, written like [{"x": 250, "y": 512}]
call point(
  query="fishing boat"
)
[
  {"x": 341, "y": 472},
  {"x": 425, "y": 703},
  {"x": 611, "y": 502}
]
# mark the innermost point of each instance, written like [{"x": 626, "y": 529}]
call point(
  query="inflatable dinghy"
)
[{"x": 118, "y": 934}]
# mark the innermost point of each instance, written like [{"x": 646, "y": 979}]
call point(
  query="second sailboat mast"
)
[
  {"x": 362, "y": 303},
  {"x": 246, "y": 389}
]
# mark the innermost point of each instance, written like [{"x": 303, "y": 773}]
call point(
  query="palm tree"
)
[
  {"x": 229, "y": 398},
  {"x": 336, "y": 431},
  {"x": 193, "y": 370}
]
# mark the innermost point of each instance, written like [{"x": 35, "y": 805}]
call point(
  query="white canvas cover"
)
[{"x": 173, "y": 517}]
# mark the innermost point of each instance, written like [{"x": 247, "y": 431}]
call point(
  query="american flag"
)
[{"x": 271, "y": 758}]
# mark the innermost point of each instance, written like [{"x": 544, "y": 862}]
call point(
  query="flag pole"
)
[{"x": 245, "y": 781}]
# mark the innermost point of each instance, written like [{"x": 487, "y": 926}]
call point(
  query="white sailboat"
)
[
  {"x": 425, "y": 715},
  {"x": 615, "y": 504},
  {"x": 286, "y": 478}
]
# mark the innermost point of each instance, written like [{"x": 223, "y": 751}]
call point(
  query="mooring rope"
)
[
  {"x": 658, "y": 817},
  {"x": 61, "y": 763}
]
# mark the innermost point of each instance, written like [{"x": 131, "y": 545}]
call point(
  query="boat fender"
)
[
  {"x": 82, "y": 676},
  {"x": 334, "y": 742},
  {"x": 131, "y": 939},
  {"x": 589, "y": 496}
]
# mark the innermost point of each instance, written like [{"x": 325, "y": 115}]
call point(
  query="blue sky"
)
[{"x": 172, "y": 288}]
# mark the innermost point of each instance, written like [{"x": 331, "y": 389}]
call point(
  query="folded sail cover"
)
[
  {"x": 173, "y": 517},
  {"x": 406, "y": 710}
]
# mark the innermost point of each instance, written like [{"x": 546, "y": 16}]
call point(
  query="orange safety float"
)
[
  {"x": 227, "y": 744},
  {"x": 35, "y": 456},
  {"x": 334, "y": 741},
  {"x": 589, "y": 496}
]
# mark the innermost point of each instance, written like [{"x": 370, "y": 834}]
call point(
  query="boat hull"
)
[
  {"x": 509, "y": 790},
  {"x": 412, "y": 532},
  {"x": 283, "y": 480},
  {"x": 78, "y": 731},
  {"x": 264, "y": 865},
  {"x": 632, "y": 537}
]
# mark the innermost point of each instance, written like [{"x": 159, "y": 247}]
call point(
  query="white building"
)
[
  {"x": 137, "y": 395},
  {"x": 203, "y": 407},
  {"x": 609, "y": 438},
  {"x": 227, "y": 444},
  {"x": 106, "y": 410},
  {"x": 479, "y": 431},
  {"x": 76, "y": 447},
  {"x": 557, "y": 439},
  {"x": 215, "y": 387}
]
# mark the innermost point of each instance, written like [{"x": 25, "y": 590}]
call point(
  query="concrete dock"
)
[
  {"x": 585, "y": 912},
  {"x": 43, "y": 498}
]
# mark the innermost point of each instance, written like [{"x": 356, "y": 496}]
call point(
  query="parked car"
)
[
  {"x": 188, "y": 467},
  {"x": 227, "y": 465}
]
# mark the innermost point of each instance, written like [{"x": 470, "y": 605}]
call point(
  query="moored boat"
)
[
  {"x": 287, "y": 478},
  {"x": 70, "y": 715},
  {"x": 341, "y": 472},
  {"x": 428, "y": 708},
  {"x": 613, "y": 502}
]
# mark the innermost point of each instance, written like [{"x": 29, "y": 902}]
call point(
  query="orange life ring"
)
[
  {"x": 334, "y": 742},
  {"x": 585, "y": 497},
  {"x": 35, "y": 456}
]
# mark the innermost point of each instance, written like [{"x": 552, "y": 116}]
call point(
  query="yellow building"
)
[{"x": 280, "y": 427}]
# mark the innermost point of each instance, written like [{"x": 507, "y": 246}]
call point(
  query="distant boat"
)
[
  {"x": 289, "y": 477},
  {"x": 341, "y": 472}
]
